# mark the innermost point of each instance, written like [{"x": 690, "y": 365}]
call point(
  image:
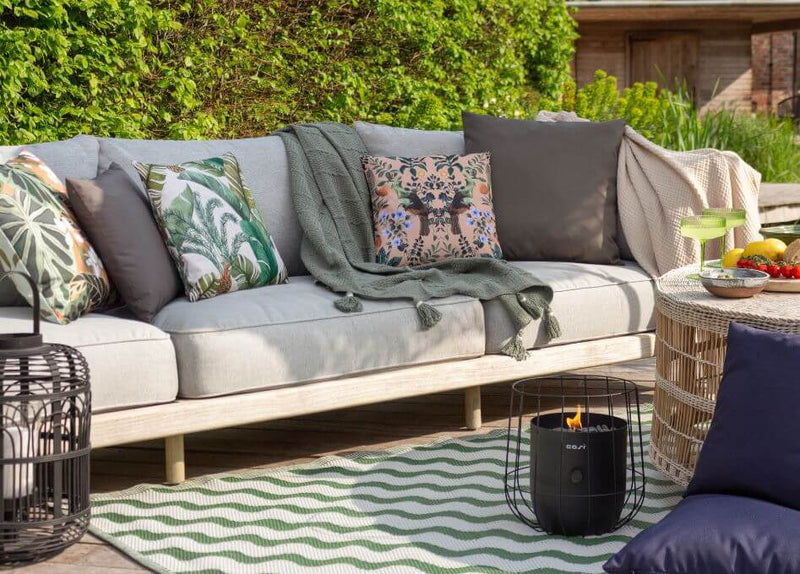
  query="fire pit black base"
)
[
  {"x": 582, "y": 472},
  {"x": 578, "y": 477}
]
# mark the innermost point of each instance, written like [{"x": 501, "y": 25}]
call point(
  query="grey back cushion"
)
[
  {"x": 554, "y": 186},
  {"x": 264, "y": 167},
  {"x": 75, "y": 157},
  {"x": 404, "y": 142}
]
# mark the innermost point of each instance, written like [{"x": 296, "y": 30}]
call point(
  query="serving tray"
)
[{"x": 783, "y": 285}]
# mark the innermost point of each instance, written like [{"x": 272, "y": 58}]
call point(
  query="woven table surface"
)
[{"x": 687, "y": 302}]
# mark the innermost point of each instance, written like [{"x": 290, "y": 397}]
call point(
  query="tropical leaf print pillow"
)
[
  {"x": 40, "y": 235},
  {"x": 211, "y": 226},
  {"x": 428, "y": 209}
]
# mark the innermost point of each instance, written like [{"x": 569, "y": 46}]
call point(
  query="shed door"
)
[{"x": 663, "y": 58}]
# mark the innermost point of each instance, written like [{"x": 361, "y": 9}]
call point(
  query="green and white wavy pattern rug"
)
[{"x": 434, "y": 508}]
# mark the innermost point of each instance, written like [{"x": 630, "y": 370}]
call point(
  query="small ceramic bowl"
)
[{"x": 734, "y": 283}]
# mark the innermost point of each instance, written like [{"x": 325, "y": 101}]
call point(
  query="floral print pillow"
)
[
  {"x": 428, "y": 209},
  {"x": 211, "y": 226},
  {"x": 40, "y": 236}
]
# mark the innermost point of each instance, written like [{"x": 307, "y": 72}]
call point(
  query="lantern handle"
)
[{"x": 34, "y": 290}]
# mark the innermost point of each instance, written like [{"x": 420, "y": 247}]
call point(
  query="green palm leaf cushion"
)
[
  {"x": 211, "y": 226},
  {"x": 40, "y": 235}
]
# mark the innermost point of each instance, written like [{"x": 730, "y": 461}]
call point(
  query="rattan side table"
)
[{"x": 691, "y": 328}]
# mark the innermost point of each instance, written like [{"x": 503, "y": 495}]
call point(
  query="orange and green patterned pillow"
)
[
  {"x": 429, "y": 209},
  {"x": 40, "y": 235}
]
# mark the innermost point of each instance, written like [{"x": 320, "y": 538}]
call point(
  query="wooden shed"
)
[{"x": 706, "y": 43}]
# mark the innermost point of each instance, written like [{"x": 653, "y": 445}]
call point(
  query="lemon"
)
[
  {"x": 780, "y": 245},
  {"x": 732, "y": 257},
  {"x": 753, "y": 248},
  {"x": 772, "y": 249}
]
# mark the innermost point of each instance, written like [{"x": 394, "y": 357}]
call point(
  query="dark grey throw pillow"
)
[
  {"x": 554, "y": 186},
  {"x": 117, "y": 218}
]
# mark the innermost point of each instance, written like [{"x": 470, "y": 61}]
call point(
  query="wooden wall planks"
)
[{"x": 722, "y": 76}]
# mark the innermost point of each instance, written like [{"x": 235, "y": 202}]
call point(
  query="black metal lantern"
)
[
  {"x": 44, "y": 453},
  {"x": 577, "y": 467}
]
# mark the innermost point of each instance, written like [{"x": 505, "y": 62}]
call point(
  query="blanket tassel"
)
[
  {"x": 551, "y": 324},
  {"x": 349, "y": 303},
  {"x": 541, "y": 309},
  {"x": 515, "y": 349},
  {"x": 428, "y": 314}
]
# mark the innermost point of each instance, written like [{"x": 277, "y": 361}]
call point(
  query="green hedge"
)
[{"x": 225, "y": 68}]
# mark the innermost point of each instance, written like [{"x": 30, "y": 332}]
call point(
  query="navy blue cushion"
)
[
  {"x": 753, "y": 445},
  {"x": 716, "y": 534}
]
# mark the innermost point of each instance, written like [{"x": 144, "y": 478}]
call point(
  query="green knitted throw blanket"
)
[{"x": 332, "y": 200}]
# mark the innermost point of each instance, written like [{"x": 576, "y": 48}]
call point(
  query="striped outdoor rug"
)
[{"x": 433, "y": 508}]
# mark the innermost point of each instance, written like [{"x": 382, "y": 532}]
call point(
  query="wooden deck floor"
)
[{"x": 412, "y": 421}]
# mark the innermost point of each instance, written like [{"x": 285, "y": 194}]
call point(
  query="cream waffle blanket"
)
[{"x": 656, "y": 187}]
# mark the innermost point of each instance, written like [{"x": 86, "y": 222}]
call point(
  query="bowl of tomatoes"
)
[{"x": 784, "y": 276}]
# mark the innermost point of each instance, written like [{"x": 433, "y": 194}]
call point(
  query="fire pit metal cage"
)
[
  {"x": 574, "y": 454},
  {"x": 44, "y": 444}
]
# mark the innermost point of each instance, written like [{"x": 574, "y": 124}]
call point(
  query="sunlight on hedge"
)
[
  {"x": 202, "y": 69},
  {"x": 224, "y": 68}
]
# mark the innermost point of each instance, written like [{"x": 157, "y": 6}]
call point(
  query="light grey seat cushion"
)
[
  {"x": 590, "y": 302},
  {"x": 130, "y": 363},
  {"x": 264, "y": 168},
  {"x": 389, "y": 141},
  {"x": 75, "y": 157},
  {"x": 291, "y": 333}
]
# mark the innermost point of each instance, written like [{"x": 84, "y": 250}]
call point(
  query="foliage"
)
[
  {"x": 234, "y": 68},
  {"x": 641, "y": 105},
  {"x": 670, "y": 118},
  {"x": 767, "y": 143}
]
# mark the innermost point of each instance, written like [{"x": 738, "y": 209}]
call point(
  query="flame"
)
[{"x": 574, "y": 423}]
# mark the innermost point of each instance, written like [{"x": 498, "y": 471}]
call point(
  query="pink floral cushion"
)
[{"x": 428, "y": 209}]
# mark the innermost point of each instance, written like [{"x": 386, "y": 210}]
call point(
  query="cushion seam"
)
[
  {"x": 603, "y": 286},
  {"x": 559, "y": 343},
  {"x": 125, "y": 342},
  {"x": 131, "y": 406},
  {"x": 313, "y": 320}
]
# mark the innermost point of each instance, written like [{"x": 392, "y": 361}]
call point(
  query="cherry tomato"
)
[
  {"x": 762, "y": 267},
  {"x": 796, "y": 272},
  {"x": 787, "y": 271},
  {"x": 774, "y": 270}
]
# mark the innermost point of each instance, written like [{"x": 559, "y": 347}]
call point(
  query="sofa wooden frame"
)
[{"x": 171, "y": 421}]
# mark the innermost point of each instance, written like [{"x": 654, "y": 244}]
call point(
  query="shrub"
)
[
  {"x": 670, "y": 118},
  {"x": 69, "y": 67},
  {"x": 225, "y": 68},
  {"x": 767, "y": 143}
]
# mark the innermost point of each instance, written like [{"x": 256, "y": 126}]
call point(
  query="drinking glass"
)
[
  {"x": 702, "y": 228},
  {"x": 733, "y": 218}
]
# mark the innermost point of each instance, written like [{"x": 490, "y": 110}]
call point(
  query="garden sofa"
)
[{"x": 282, "y": 351}]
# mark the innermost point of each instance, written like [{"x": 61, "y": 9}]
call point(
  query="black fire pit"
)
[{"x": 585, "y": 471}]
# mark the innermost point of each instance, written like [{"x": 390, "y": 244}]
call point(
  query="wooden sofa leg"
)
[
  {"x": 173, "y": 453},
  {"x": 472, "y": 408}
]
